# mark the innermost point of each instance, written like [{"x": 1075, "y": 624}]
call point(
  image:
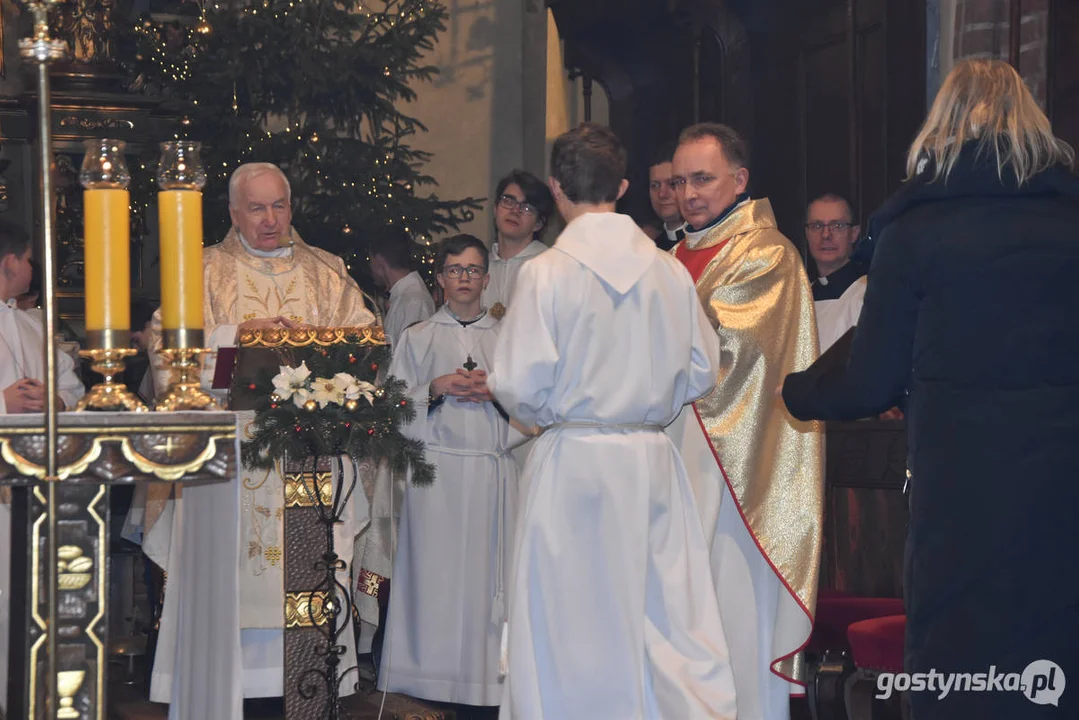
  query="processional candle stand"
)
[
  {"x": 107, "y": 242},
  {"x": 181, "y": 178}
]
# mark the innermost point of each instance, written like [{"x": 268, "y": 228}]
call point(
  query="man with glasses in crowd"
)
[
  {"x": 757, "y": 473},
  {"x": 524, "y": 206},
  {"x": 664, "y": 202},
  {"x": 840, "y": 285}
]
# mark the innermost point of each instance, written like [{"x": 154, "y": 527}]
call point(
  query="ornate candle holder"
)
[
  {"x": 181, "y": 352},
  {"x": 105, "y": 177},
  {"x": 181, "y": 178},
  {"x": 108, "y": 360}
]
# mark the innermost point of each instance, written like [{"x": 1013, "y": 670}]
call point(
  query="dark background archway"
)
[{"x": 829, "y": 93}]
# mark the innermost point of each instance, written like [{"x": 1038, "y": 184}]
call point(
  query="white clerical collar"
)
[
  {"x": 672, "y": 233},
  {"x": 275, "y": 253},
  {"x": 694, "y": 237}
]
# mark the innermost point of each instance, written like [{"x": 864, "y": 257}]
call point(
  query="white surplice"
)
[
  {"x": 836, "y": 317},
  {"x": 447, "y": 604},
  {"x": 22, "y": 343},
  {"x": 504, "y": 273},
  {"x": 410, "y": 303},
  {"x": 613, "y": 613}
]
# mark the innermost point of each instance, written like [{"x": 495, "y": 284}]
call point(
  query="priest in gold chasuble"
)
[
  {"x": 261, "y": 276},
  {"x": 758, "y": 474}
]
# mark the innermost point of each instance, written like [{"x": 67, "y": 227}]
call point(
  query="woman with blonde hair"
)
[{"x": 971, "y": 319}]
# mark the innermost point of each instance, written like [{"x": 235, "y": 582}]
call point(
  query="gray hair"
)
[{"x": 248, "y": 171}]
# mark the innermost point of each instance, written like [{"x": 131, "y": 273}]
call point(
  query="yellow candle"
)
[
  {"x": 180, "y": 225},
  {"x": 107, "y": 238}
]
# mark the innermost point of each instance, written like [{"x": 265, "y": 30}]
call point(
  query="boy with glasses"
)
[
  {"x": 447, "y": 606},
  {"x": 523, "y": 207},
  {"x": 840, "y": 285}
]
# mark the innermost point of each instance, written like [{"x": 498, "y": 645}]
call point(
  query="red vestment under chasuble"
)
[{"x": 758, "y": 473}]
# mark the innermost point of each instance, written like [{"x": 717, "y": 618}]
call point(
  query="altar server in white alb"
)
[
  {"x": 409, "y": 300},
  {"x": 612, "y": 612},
  {"x": 22, "y": 390},
  {"x": 447, "y": 604},
  {"x": 523, "y": 209}
]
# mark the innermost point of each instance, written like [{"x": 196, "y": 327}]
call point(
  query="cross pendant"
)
[{"x": 470, "y": 364}]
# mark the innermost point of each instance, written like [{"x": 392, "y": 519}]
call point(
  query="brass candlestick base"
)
[
  {"x": 109, "y": 395},
  {"x": 185, "y": 392}
]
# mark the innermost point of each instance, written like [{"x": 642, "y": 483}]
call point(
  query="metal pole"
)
[{"x": 42, "y": 50}]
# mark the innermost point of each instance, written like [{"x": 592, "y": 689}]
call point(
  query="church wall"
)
[{"x": 485, "y": 110}]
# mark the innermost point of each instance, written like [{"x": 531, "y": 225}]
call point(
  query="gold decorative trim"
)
[
  {"x": 27, "y": 468},
  {"x": 305, "y": 337},
  {"x": 227, "y": 429},
  {"x": 302, "y": 607},
  {"x": 102, "y": 595},
  {"x": 35, "y": 600},
  {"x": 369, "y": 583},
  {"x": 161, "y": 471},
  {"x": 172, "y": 472},
  {"x": 298, "y": 488}
]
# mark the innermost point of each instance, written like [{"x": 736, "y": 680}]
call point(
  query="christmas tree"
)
[{"x": 317, "y": 87}]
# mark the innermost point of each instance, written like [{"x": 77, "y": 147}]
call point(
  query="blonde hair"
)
[{"x": 987, "y": 101}]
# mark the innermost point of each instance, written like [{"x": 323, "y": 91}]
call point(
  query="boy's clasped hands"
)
[{"x": 465, "y": 385}]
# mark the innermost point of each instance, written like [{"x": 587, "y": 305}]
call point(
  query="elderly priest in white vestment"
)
[
  {"x": 262, "y": 275},
  {"x": 22, "y": 390}
]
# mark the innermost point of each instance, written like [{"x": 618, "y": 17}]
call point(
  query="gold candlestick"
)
[
  {"x": 181, "y": 353},
  {"x": 110, "y": 394},
  {"x": 181, "y": 178},
  {"x": 105, "y": 176}
]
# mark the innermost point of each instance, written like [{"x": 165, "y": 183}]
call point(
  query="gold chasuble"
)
[
  {"x": 309, "y": 286},
  {"x": 302, "y": 283},
  {"x": 754, "y": 289}
]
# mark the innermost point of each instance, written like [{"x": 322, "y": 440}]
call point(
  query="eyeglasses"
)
[
  {"x": 837, "y": 226},
  {"x": 511, "y": 203},
  {"x": 456, "y": 271}
]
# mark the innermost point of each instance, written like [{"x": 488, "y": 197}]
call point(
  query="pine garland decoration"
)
[{"x": 317, "y": 420}]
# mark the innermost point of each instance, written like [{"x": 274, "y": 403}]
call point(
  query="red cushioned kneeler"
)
[
  {"x": 877, "y": 644},
  {"x": 836, "y": 611}
]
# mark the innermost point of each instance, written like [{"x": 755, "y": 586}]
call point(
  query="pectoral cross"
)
[{"x": 470, "y": 364}]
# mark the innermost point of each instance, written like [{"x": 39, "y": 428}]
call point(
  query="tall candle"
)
[
  {"x": 107, "y": 240},
  {"x": 180, "y": 226}
]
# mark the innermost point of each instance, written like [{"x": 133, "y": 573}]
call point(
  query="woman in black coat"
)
[{"x": 971, "y": 317}]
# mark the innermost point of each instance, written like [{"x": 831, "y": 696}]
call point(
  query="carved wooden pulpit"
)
[{"x": 317, "y": 593}]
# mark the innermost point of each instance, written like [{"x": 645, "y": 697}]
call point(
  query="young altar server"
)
[
  {"x": 447, "y": 605},
  {"x": 22, "y": 390},
  {"x": 612, "y": 613}
]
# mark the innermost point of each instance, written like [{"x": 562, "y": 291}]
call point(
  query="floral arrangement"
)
[{"x": 330, "y": 404}]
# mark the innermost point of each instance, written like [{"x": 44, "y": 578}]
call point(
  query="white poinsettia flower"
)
[
  {"x": 326, "y": 391},
  {"x": 290, "y": 380},
  {"x": 301, "y": 396},
  {"x": 355, "y": 389}
]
